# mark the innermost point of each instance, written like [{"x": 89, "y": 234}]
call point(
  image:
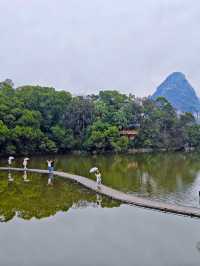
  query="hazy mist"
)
[{"x": 84, "y": 46}]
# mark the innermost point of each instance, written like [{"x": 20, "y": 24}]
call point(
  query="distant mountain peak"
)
[
  {"x": 178, "y": 91},
  {"x": 177, "y": 75}
]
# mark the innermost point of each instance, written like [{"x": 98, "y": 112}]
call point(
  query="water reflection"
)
[
  {"x": 98, "y": 200},
  {"x": 25, "y": 177},
  {"x": 37, "y": 200},
  {"x": 171, "y": 177},
  {"x": 10, "y": 179},
  {"x": 95, "y": 204},
  {"x": 50, "y": 179}
]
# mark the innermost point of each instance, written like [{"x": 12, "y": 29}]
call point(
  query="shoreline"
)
[{"x": 128, "y": 152}]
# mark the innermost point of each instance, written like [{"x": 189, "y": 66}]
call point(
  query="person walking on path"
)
[
  {"x": 98, "y": 178},
  {"x": 97, "y": 173},
  {"x": 10, "y": 159},
  {"x": 25, "y": 162},
  {"x": 52, "y": 166},
  {"x": 49, "y": 165}
]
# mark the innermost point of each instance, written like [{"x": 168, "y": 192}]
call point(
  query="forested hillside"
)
[{"x": 37, "y": 119}]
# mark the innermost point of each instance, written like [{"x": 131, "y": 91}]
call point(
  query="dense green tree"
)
[
  {"x": 104, "y": 137},
  {"x": 35, "y": 119},
  {"x": 63, "y": 138},
  {"x": 30, "y": 119},
  {"x": 193, "y": 135},
  {"x": 4, "y": 135},
  {"x": 78, "y": 116}
]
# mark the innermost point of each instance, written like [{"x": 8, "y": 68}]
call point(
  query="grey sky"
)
[{"x": 84, "y": 45}]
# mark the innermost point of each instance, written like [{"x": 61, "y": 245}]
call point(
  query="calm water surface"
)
[
  {"x": 66, "y": 224},
  {"x": 173, "y": 178}
]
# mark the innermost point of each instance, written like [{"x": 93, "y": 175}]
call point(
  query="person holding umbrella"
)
[
  {"x": 97, "y": 173},
  {"x": 25, "y": 162},
  {"x": 10, "y": 159}
]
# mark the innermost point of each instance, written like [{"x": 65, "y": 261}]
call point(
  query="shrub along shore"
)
[{"x": 40, "y": 120}]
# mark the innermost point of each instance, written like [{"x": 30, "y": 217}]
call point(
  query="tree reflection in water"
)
[
  {"x": 35, "y": 199},
  {"x": 170, "y": 177},
  {"x": 161, "y": 173}
]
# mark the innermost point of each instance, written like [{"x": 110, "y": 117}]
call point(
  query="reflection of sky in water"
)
[
  {"x": 185, "y": 194},
  {"x": 121, "y": 236}
]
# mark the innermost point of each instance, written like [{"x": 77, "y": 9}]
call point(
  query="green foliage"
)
[
  {"x": 104, "y": 137},
  {"x": 161, "y": 127},
  {"x": 193, "y": 135},
  {"x": 63, "y": 138},
  {"x": 4, "y": 134},
  {"x": 36, "y": 119},
  {"x": 121, "y": 144},
  {"x": 30, "y": 119}
]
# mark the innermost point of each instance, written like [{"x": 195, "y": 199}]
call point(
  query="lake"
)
[
  {"x": 169, "y": 177},
  {"x": 65, "y": 224}
]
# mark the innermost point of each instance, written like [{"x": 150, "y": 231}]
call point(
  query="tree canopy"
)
[{"x": 35, "y": 119}]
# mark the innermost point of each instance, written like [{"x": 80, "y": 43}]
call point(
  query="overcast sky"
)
[{"x": 86, "y": 45}]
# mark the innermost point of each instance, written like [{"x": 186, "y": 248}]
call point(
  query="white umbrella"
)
[
  {"x": 11, "y": 158},
  {"x": 93, "y": 170},
  {"x": 26, "y": 159}
]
